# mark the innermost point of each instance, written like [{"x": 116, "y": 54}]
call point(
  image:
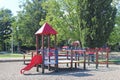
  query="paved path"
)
[{"x": 11, "y": 71}]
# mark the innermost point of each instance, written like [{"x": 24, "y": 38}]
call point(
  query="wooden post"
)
[
  {"x": 56, "y": 54},
  {"x": 43, "y": 54},
  {"x": 78, "y": 59},
  {"x": 88, "y": 55},
  {"x": 32, "y": 54},
  {"x": 56, "y": 60},
  {"x": 76, "y": 54},
  {"x": 37, "y": 44},
  {"x": 37, "y": 66},
  {"x": 48, "y": 51},
  {"x": 88, "y": 59},
  {"x": 107, "y": 56},
  {"x": 24, "y": 58},
  {"x": 71, "y": 58},
  {"x": 67, "y": 57},
  {"x": 84, "y": 60},
  {"x": 97, "y": 59}
]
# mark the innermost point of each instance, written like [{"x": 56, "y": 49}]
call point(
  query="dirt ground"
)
[{"x": 11, "y": 71}]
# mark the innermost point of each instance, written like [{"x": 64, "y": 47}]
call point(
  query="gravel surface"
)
[{"x": 11, "y": 71}]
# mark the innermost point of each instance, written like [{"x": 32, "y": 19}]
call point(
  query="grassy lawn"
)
[
  {"x": 14, "y": 55},
  {"x": 9, "y": 55},
  {"x": 17, "y": 55},
  {"x": 115, "y": 61}
]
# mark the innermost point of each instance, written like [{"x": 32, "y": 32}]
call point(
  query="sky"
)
[{"x": 13, "y": 5}]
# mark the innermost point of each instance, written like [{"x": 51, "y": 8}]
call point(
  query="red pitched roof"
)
[{"x": 46, "y": 29}]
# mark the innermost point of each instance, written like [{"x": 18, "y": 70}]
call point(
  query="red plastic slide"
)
[{"x": 37, "y": 59}]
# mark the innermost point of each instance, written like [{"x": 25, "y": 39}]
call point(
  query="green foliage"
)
[
  {"x": 28, "y": 21},
  {"x": 89, "y": 21},
  {"x": 115, "y": 35},
  {"x": 66, "y": 17},
  {"x": 100, "y": 21},
  {"x": 54, "y": 16},
  {"x": 5, "y": 27}
]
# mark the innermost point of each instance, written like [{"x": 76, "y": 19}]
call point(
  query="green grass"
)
[
  {"x": 111, "y": 60},
  {"x": 14, "y": 55},
  {"x": 9, "y": 55},
  {"x": 114, "y": 60}
]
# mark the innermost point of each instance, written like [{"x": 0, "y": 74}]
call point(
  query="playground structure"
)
[
  {"x": 90, "y": 55},
  {"x": 75, "y": 57},
  {"x": 45, "y": 32},
  {"x": 98, "y": 56},
  {"x": 52, "y": 56}
]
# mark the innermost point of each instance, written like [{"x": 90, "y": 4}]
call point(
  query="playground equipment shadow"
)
[
  {"x": 74, "y": 72},
  {"x": 77, "y": 72}
]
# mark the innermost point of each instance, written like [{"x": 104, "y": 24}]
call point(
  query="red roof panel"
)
[{"x": 46, "y": 29}]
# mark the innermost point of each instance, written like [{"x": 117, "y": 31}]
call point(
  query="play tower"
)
[{"x": 45, "y": 32}]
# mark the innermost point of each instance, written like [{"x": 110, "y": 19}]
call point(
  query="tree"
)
[
  {"x": 5, "y": 27},
  {"x": 28, "y": 21},
  {"x": 100, "y": 21},
  {"x": 114, "y": 36},
  {"x": 89, "y": 21},
  {"x": 67, "y": 18}
]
